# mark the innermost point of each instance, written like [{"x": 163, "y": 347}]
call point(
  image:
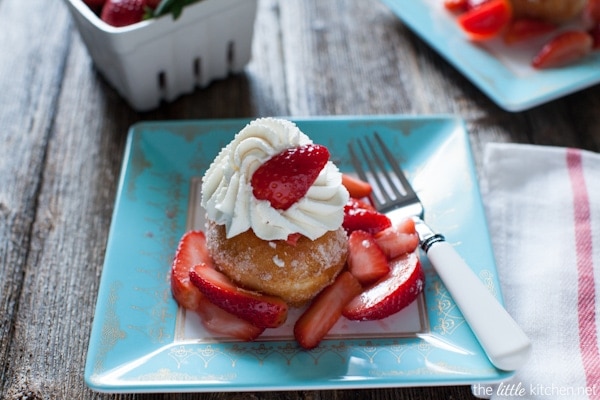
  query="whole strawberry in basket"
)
[
  {"x": 128, "y": 12},
  {"x": 147, "y": 75},
  {"x": 95, "y": 5},
  {"x": 123, "y": 12}
]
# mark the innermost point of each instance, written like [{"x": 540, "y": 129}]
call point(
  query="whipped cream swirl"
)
[{"x": 227, "y": 192}]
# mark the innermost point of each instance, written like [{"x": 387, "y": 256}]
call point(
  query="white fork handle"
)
[{"x": 504, "y": 342}]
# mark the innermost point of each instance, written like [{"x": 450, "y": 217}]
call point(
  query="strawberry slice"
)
[
  {"x": 398, "y": 239},
  {"x": 286, "y": 177},
  {"x": 388, "y": 296},
  {"x": 359, "y": 215},
  {"x": 456, "y": 6},
  {"x": 366, "y": 261},
  {"x": 592, "y": 11},
  {"x": 356, "y": 187},
  {"x": 523, "y": 29},
  {"x": 325, "y": 310},
  {"x": 261, "y": 310},
  {"x": 356, "y": 204},
  {"x": 220, "y": 322},
  {"x": 595, "y": 34},
  {"x": 190, "y": 252},
  {"x": 565, "y": 48},
  {"x": 486, "y": 20}
]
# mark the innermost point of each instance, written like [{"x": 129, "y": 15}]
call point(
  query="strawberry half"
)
[
  {"x": 565, "y": 48},
  {"x": 359, "y": 215},
  {"x": 220, "y": 322},
  {"x": 261, "y": 310},
  {"x": 398, "y": 239},
  {"x": 286, "y": 177},
  {"x": 366, "y": 261},
  {"x": 356, "y": 187},
  {"x": 325, "y": 310},
  {"x": 388, "y": 296},
  {"x": 190, "y": 252}
]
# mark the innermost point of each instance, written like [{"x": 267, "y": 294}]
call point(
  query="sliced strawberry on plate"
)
[
  {"x": 366, "y": 261},
  {"x": 486, "y": 20},
  {"x": 359, "y": 215},
  {"x": 523, "y": 29},
  {"x": 220, "y": 322},
  {"x": 398, "y": 289},
  {"x": 592, "y": 11},
  {"x": 259, "y": 309},
  {"x": 565, "y": 48},
  {"x": 190, "y": 252},
  {"x": 357, "y": 204},
  {"x": 357, "y": 188},
  {"x": 286, "y": 177},
  {"x": 398, "y": 239},
  {"x": 595, "y": 34},
  {"x": 325, "y": 310}
]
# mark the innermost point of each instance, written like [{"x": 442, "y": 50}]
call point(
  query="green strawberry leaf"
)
[{"x": 174, "y": 7}]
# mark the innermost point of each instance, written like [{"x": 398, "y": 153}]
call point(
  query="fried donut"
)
[
  {"x": 557, "y": 11},
  {"x": 294, "y": 272}
]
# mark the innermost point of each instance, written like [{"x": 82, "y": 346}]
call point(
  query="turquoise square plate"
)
[
  {"x": 134, "y": 344},
  {"x": 502, "y": 72}
]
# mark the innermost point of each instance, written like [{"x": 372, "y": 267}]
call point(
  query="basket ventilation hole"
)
[
  {"x": 198, "y": 70},
  {"x": 162, "y": 83},
  {"x": 230, "y": 56}
]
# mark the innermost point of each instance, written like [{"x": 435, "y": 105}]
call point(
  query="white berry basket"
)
[{"x": 161, "y": 59}]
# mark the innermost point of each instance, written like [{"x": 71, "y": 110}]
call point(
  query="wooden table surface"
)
[{"x": 63, "y": 132}]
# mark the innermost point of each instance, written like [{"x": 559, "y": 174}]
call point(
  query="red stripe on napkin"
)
[{"x": 586, "y": 304}]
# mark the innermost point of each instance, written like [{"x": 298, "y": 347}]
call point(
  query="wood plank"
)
[
  {"x": 63, "y": 135},
  {"x": 33, "y": 46}
]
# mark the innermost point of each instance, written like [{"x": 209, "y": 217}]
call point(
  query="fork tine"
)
[
  {"x": 360, "y": 171},
  {"x": 394, "y": 165},
  {"x": 390, "y": 189},
  {"x": 356, "y": 163},
  {"x": 374, "y": 168}
]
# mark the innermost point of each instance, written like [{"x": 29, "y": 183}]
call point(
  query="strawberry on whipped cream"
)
[{"x": 227, "y": 191}]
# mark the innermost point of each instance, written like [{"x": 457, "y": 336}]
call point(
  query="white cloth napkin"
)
[{"x": 543, "y": 210}]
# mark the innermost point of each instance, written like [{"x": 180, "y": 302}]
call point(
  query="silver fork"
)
[{"x": 503, "y": 341}]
